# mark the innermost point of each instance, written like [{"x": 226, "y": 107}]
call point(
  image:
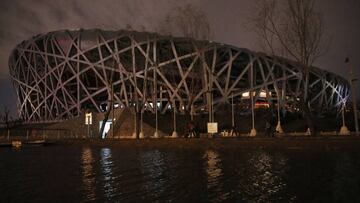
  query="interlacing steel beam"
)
[{"x": 59, "y": 74}]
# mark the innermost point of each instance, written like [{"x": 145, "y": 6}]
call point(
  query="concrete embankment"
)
[{"x": 288, "y": 143}]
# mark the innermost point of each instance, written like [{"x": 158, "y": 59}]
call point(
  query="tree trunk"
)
[{"x": 308, "y": 116}]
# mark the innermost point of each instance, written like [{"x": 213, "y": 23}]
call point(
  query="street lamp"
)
[
  {"x": 141, "y": 134},
  {"x": 233, "y": 132},
  {"x": 174, "y": 134},
  {"x": 253, "y": 130},
  {"x": 353, "y": 94},
  {"x": 134, "y": 135},
  {"x": 278, "y": 127},
  {"x": 343, "y": 130},
  {"x": 156, "y": 134}
]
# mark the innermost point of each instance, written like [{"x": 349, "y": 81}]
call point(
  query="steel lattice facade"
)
[{"x": 59, "y": 74}]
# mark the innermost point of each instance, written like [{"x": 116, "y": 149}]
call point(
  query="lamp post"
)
[
  {"x": 156, "y": 134},
  {"x": 141, "y": 134},
  {"x": 253, "y": 130},
  {"x": 209, "y": 103},
  {"x": 174, "y": 134},
  {"x": 113, "y": 110},
  {"x": 343, "y": 130},
  {"x": 134, "y": 135},
  {"x": 192, "y": 112},
  {"x": 278, "y": 127},
  {"x": 232, "y": 132},
  {"x": 210, "y": 99},
  {"x": 232, "y": 111},
  {"x": 211, "y": 111},
  {"x": 353, "y": 94},
  {"x": 212, "y": 108}
]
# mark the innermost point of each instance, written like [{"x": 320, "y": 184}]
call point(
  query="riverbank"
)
[
  {"x": 282, "y": 143},
  {"x": 288, "y": 143}
]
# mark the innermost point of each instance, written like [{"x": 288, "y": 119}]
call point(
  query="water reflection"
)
[
  {"x": 186, "y": 175},
  {"x": 213, "y": 168},
  {"x": 88, "y": 177},
  {"x": 214, "y": 174},
  {"x": 106, "y": 169},
  {"x": 345, "y": 185},
  {"x": 153, "y": 168},
  {"x": 265, "y": 178}
]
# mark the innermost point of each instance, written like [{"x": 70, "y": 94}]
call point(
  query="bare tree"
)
[
  {"x": 128, "y": 27},
  {"x": 6, "y": 118},
  {"x": 294, "y": 29},
  {"x": 187, "y": 21}
]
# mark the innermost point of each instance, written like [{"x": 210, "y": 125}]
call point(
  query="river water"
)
[{"x": 83, "y": 173}]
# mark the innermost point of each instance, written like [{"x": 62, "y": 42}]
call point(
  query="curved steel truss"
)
[{"x": 58, "y": 74}]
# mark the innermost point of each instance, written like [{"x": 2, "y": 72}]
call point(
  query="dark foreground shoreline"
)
[{"x": 284, "y": 143}]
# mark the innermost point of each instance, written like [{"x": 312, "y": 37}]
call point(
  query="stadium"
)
[{"x": 59, "y": 75}]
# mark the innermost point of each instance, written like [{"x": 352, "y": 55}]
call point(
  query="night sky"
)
[{"x": 20, "y": 20}]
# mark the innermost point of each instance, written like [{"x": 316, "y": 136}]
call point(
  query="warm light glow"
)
[
  {"x": 88, "y": 178},
  {"x": 263, "y": 94},
  {"x": 213, "y": 168},
  {"x": 245, "y": 94},
  {"x": 88, "y": 118},
  {"x": 262, "y": 105}
]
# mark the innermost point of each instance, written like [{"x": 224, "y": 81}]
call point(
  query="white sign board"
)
[
  {"x": 88, "y": 118},
  {"x": 212, "y": 127}
]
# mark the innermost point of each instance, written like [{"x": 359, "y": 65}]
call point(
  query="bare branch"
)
[
  {"x": 291, "y": 28},
  {"x": 187, "y": 21},
  {"x": 6, "y": 118}
]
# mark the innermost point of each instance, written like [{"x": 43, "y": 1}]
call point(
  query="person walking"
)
[{"x": 190, "y": 129}]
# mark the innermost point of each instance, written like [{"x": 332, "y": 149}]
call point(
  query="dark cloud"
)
[{"x": 20, "y": 20}]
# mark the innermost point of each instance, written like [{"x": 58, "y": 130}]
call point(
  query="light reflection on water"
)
[
  {"x": 152, "y": 169},
  {"x": 214, "y": 175},
  {"x": 213, "y": 168},
  {"x": 107, "y": 173},
  {"x": 265, "y": 177},
  {"x": 88, "y": 174},
  {"x": 183, "y": 175}
]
